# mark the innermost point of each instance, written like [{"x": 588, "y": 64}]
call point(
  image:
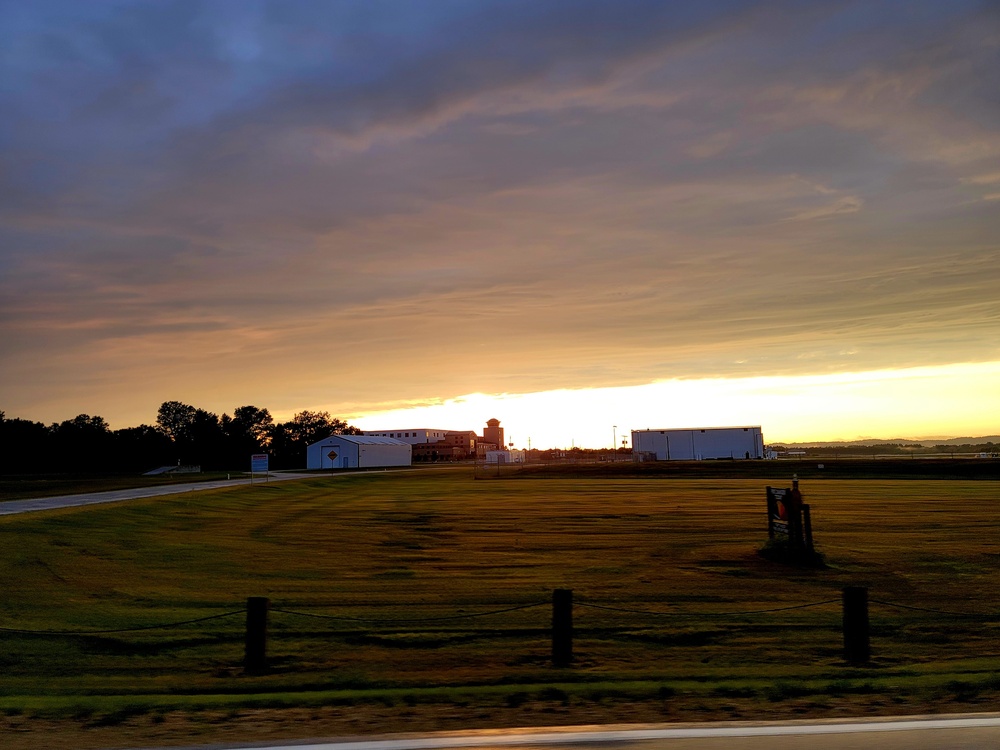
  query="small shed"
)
[{"x": 357, "y": 452}]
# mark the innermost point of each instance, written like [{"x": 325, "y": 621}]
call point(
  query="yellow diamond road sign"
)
[{"x": 332, "y": 455}]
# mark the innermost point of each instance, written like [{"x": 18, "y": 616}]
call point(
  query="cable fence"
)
[
  {"x": 568, "y": 618},
  {"x": 115, "y": 631},
  {"x": 412, "y": 620}
]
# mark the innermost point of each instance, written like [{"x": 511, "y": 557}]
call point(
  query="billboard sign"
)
[{"x": 258, "y": 463}]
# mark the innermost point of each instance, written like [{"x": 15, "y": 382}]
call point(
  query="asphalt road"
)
[
  {"x": 92, "y": 498},
  {"x": 966, "y": 732}
]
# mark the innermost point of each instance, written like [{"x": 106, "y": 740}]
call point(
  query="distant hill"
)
[{"x": 867, "y": 442}]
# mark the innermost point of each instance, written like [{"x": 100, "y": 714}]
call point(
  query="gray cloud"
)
[{"x": 504, "y": 197}]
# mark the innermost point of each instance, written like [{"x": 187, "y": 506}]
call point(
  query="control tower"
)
[{"x": 493, "y": 433}]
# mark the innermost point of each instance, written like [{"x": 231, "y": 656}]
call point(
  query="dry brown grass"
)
[{"x": 435, "y": 544}]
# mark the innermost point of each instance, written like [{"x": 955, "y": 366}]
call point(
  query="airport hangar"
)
[
  {"x": 699, "y": 443},
  {"x": 357, "y": 452}
]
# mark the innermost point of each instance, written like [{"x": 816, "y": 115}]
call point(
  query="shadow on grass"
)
[{"x": 780, "y": 551}]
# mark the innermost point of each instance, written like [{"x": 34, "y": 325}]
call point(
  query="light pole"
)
[{"x": 614, "y": 442}]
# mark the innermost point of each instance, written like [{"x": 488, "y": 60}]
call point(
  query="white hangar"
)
[
  {"x": 357, "y": 452},
  {"x": 699, "y": 443}
]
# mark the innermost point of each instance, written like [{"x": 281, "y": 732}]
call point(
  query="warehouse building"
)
[
  {"x": 698, "y": 444},
  {"x": 357, "y": 452}
]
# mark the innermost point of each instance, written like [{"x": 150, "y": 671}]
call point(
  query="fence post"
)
[
  {"x": 771, "y": 513},
  {"x": 562, "y": 627},
  {"x": 857, "y": 644},
  {"x": 255, "y": 659}
]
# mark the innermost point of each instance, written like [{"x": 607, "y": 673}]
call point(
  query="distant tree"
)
[
  {"x": 307, "y": 427},
  {"x": 27, "y": 447},
  {"x": 82, "y": 443},
  {"x": 141, "y": 448},
  {"x": 252, "y": 423},
  {"x": 247, "y": 432},
  {"x": 84, "y": 424},
  {"x": 206, "y": 443},
  {"x": 175, "y": 419},
  {"x": 196, "y": 434}
]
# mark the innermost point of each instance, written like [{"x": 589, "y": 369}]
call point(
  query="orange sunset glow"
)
[{"x": 580, "y": 218}]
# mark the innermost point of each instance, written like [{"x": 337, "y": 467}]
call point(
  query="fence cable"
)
[
  {"x": 162, "y": 626},
  {"x": 407, "y": 620},
  {"x": 588, "y": 605},
  {"x": 934, "y": 611},
  {"x": 705, "y": 614}
]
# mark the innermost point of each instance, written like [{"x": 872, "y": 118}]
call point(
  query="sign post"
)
[
  {"x": 789, "y": 522},
  {"x": 258, "y": 465}
]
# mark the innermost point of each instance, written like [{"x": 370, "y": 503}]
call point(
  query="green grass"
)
[{"x": 679, "y": 554}]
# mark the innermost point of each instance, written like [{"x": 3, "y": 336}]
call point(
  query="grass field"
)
[{"x": 667, "y": 581}]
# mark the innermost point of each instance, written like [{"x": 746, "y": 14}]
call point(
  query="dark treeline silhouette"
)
[
  {"x": 183, "y": 434},
  {"x": 891, "y": 449}
]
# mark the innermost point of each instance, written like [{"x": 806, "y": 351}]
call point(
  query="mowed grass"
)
[{"x": 373, "y": 579}]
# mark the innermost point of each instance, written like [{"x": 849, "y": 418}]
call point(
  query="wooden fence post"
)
[
  {"x": 255, "y": 659},
  {"x": 562, "y": 627},
  {"x": 771, "y": 513},
  {"x": 857, "y": 643}
]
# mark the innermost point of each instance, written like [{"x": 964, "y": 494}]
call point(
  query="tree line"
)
[
  {"x": 891, "y": 449},
  {"x": 183, "y": 434}
]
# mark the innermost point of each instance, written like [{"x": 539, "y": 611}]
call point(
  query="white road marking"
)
[{"x": 509, "y": 738}]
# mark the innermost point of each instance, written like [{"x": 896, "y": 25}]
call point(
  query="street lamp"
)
[{"x": 614, "y": 442}]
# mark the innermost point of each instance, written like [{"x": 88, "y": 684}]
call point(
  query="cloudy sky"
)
[{"x": 671, "y": 214}]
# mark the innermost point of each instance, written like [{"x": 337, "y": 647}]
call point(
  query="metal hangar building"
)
[
  {"x": 357, "y": 452},
  {"x": 699, "y": 443}
]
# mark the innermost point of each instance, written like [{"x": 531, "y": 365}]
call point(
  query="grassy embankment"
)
[{"x": 435, "y": 544}]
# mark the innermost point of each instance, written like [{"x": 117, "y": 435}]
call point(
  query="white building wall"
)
[
  {"x": 505, "y": 457},
  {"x": 700, "y": 443},
  {"x": 357, "y": 452},
  {"x": 409, "y": 435}
]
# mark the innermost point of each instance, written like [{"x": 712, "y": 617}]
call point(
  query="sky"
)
[{"x": 578, "y": 217}]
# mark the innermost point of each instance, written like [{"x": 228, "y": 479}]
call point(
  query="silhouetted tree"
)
[
  {"x": 175, "y": 419},
  {"x": 183, "y": 434},
  {"x": 26, "y": 447},
  {"x": 196, "y": 434},
  {"x": 206, "y": 443},
  {"x": 141, "y": 448},
  {"x": 247, "y": 432},
  {"x": 82, "y": 443}
]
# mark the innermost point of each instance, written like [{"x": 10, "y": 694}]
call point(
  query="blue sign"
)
[{"x": 258, "y": 463}]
